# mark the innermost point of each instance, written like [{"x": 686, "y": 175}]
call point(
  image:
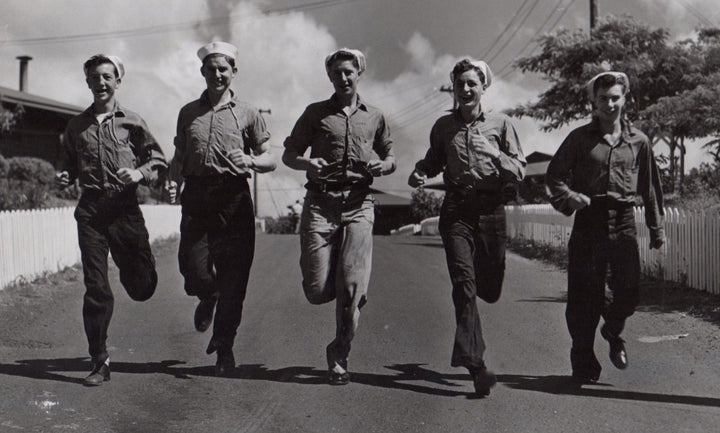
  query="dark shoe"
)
[
  {"x": 204, "y": 313},
  {"x": 483, "y": 380},
  {"x": 579, "y": 379},
  {"x": 99, "y": 374},
  {"x": 225, "y": 365},
  {"x": 618, "y": 354},
  {"x": 335, "y": 378}
]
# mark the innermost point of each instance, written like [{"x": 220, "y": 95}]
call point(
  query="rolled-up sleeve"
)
[
  {"x": 512, "y": 160},
  {"x": 383, "y": 143},
  {"x": 256, "y": 133},
  {"x": 149, "y": 153},
  {"x": 299, "y": 139},
  {"x": 434, "y": 161},
  {"x": 68, "y": 157}
]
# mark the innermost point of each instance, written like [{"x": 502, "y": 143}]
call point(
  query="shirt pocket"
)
[{"x": 234, "y": 140}]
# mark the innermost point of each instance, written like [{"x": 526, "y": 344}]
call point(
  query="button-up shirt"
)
[
  {"x": 453, "y": 151},
  {"x": 617, "y": 172},
  {"x": 206, "y": 134},
  {"x": 95, "y": 151},
  {"x": 342, "y": 138}
]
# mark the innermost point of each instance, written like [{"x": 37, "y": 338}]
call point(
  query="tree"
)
[
  {"x": 10, "y": 118},
  {"x": 656, "y": 69},
  {"x": 424, "y": 204}
]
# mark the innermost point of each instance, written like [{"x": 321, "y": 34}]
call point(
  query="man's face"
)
[
  {"x": 218, "y": 74},
  {"x": 468, "y": 89},
  {"x": 344, "y": 77},
  {"x": 609, "y": 102},
  {"x": 102, "y": 82}
]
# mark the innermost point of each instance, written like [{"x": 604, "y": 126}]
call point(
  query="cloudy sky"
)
[{"x": 410, "y": 44}]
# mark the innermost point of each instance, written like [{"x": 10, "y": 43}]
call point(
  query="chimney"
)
[{"x": 23, "y": 72}]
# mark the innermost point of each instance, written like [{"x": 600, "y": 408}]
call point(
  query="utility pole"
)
[
  {"x": 593, "y": 15},
  {"x": 256, "y": 174}
]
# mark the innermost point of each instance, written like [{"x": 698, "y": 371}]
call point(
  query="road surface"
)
[{"x": 162, "y": 381}]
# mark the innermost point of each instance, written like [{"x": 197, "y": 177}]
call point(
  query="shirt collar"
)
[
  {"x": 335, "y": 104},
  {"x": 206, "y": 99},
  {"x": 627, "y": 129},
  {"x": 481, "y": 117},
  {"x": 117, "y": 111}
]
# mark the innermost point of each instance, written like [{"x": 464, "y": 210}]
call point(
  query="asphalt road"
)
[{"x": 162, "y": 381}]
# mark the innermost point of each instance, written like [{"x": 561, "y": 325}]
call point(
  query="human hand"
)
[
  {"x": 656, "y": 242},
  {"x": 375, "y": 167},
  {"x": 129, "y": 175},
  {"x": 241, "y": 159},
  {"x": 62, "y": 179},
  {"x": 578, "y": 201},
  {"x": 316, "y": 166},
  {"x": 482, "y": 146},
  {"x": 171, "y": 188},
  {"x": 417, "y": 178}
]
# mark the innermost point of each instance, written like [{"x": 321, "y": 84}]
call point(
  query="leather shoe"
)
[
  {"x": 99, "y": 374},
  {"x": 204, "y": 313},
  {"x": 618, "y": 354},
  {"x": 335, "y": 378},
  {"x": 584, "y": 379},
  {"x": 483, "y": 380},
  {"x": 225, "y": 365}
]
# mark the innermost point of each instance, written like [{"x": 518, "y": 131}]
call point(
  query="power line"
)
[
  {"x": 507, "y": 26},
  {"x": 696, "y": 13},
  {"x": 558, "y": 6},
  {"x": 165, "y": 28},
  {"x": 517, "y": 28}
]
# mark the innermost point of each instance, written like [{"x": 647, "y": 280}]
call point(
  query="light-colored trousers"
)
[{"x": 336, "y": 258}]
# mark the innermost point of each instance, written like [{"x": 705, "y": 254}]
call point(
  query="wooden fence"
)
[
  {"x": 37, "y": 241},
  {"x": 691, "y": 255}
]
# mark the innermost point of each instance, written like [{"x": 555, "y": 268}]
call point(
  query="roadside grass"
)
[{"x": 655, "y": 295}]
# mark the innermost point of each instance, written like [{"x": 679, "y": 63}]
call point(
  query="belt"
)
[
  {"x": 609, "y": 203},
  {"x": 334, "y": 186}
]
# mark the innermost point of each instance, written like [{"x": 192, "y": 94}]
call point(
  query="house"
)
[
  {"x": 43, "y": 120},
  {"x": 391, "y": 211}
]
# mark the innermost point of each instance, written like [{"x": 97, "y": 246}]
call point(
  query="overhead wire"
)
[
  {"x": 503, "y": 72},
  {"x": 165, "y": 28}
]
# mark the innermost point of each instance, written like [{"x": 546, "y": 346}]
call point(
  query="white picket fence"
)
[
  {"x": 38, "y": 241},
  {"x": 691, "y": 255}
]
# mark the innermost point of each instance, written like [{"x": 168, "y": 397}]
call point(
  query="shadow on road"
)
[
  {"x": 409, "y": 377},
  {"x": 563, "y": 385}
]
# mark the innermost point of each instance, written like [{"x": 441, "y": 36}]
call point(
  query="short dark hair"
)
[
  {"x": 97, "y": 60},
  {"x": 608, "y": 80},
  {"x": 229, "y": 59},
  {"x": 465, "y": 65}
]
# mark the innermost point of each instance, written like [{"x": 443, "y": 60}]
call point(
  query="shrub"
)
[
  {"x": 30, "y": 169},
  {"x": 281, "y": 225}
]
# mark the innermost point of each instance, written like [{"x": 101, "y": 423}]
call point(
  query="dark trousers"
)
[
  {"x": 603, "y": 239},
  {"x": 474, "y": 235},
  {"x": 217, "y": 245},
  {"x": 111, "y": 222}
]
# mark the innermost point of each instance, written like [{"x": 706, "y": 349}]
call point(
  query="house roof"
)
[
  {"x": 538, "y": 157},
  {"x": 385, "y": 199},
  {"x": 26, "y": 99}
]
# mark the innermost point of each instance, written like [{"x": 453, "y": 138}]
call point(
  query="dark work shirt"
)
[
  {"x": 206, "y": 134},
  {"x": 94, "y": 152},
  {"x": 452, "y": 151},
  {"x": 338, "y": 138},
  {"x": 587, "y": 163}
]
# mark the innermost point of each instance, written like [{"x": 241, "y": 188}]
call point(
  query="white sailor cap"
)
[
  {"x": 356, "y": 54},
  {"x": 484, "y": 68},
  {"x": 115, "y": 60},
  {"x": 621, "y": 78},
  {"x": 218, "y": 47}
]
